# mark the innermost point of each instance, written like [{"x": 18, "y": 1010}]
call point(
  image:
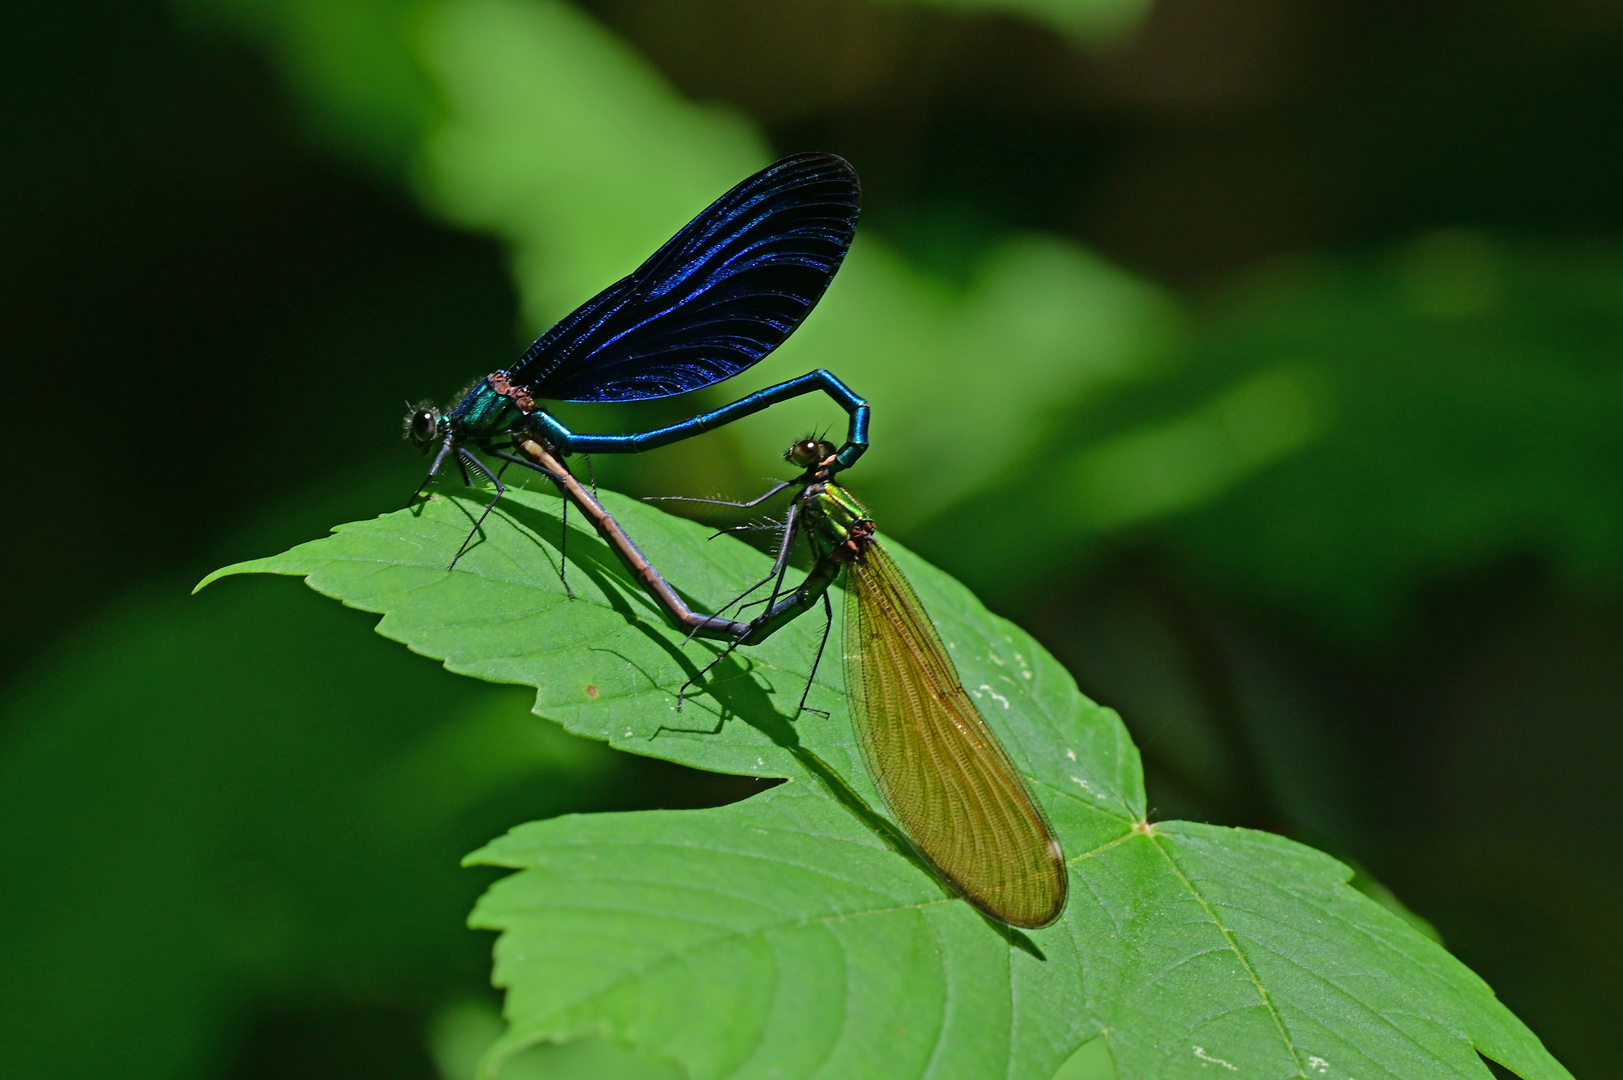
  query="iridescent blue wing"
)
[{"x": 720, "y": 295}]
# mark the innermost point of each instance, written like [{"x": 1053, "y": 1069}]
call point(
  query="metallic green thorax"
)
[
  {"x": 835, "y": 519},
  {"x": 484, "y": 411},
  {"x": 840, "y": 530}
]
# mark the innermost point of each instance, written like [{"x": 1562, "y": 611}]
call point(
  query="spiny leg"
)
[
  {"x": 757, "y": 501},
  {"x": 682, "y": 691},
  {"x": 791, "y": 519},
  {"x": 780, "y": 566},
  {"x": 777, "y": 569},
  {"x": 828, "y": 624},
  {"x": 563, "y": 545},
  {"x": 722, "y": 610},
  {"x": 464, "y": 455},
  {"x": 817, "y": 660},
  {"x": 563, "y": 539},
  {"x": 433, "y": 470},
  {"x": 514, "y": 459},
  {"x": 753, "y": 526}
]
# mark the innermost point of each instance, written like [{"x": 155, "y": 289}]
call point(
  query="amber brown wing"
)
[{"x": 942, "y": 772}]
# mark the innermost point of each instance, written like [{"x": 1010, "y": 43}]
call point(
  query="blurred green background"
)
[{"x": 1264, "y": 359}]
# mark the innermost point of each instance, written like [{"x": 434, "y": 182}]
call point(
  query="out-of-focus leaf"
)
[
  {"x": 550, "y": 133},
  {"x": 1475, "y": 404},
  {"x": 462, "y": 1034},
  {"x": 351, "y": 65},
  {"x": 212, "y": 801},
  {"x": 1092, "y": 21},
  {"x": 1181, "y": 463},
  {"x": 1062, "y": 506},
  {"x": 211, "y": 808},
  {"x": 1345, "y": 432},
  {"x": 789, "y": 931},
  {"x": 559, "y": 139}
]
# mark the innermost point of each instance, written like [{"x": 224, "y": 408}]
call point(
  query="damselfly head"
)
[
  {"x": 808, "y": 452},
  {"x": 422, "y": 423}
]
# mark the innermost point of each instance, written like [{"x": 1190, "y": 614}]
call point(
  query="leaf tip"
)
[
  {"x": 252, "y": 566},
  {"x": 224, "y": 571},
  {"x": 481, "y": 857}
]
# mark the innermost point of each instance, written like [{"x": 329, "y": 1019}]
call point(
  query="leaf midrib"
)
[{"x": 1330, "y": 916}]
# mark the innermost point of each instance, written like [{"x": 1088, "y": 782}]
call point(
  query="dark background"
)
[{"x": 1403, "y": 644}]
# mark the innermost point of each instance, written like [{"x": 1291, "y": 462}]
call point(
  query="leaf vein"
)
[{"x": 1245, "y": 962}]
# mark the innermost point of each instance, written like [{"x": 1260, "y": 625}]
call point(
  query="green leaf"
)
[
  {"x": 205, "y": 811},
  {"x": 789, "y": 935}
]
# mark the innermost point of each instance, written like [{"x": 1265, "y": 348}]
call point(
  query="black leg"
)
[
  {"x": 757, "y": 501},
  {"x": 779, "y": 567},
  {"x": 791, "y": 519},
  {"x": 563, "y": 545},
  {"x": 513, "y": 459},
  {"x": 558, "y": 482},
  {"x": 682, "y": 692},
  {"x": 775, "y": 526},
  {"x": 463, "y": 455},
  {"x": 828, "y": 624},
  {"x": 433, "y": 470},
  {"x": 722, "y": 610}
]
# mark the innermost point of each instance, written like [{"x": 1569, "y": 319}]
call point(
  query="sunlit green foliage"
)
[
  {"x": 788, "y": 933},
  {"x": 1351, "y": 429},
  {"x": 1473, "y": 410},
  {"x": 1087, "y": 20},
  {"x": 245, "y": 799}
]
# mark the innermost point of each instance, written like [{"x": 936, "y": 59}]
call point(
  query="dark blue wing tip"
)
[
  {"x": 836, "y": 166},
  {"x": 833, "y": 169}
]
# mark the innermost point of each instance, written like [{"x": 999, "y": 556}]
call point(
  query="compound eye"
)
[
  {"x": 425, "y": 424},
  {"x": 805, "y": 453},
  {"x": 808, "y": 452}
]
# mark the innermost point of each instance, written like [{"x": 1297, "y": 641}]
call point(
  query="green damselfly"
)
[{"x": 936, "y": 762}]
